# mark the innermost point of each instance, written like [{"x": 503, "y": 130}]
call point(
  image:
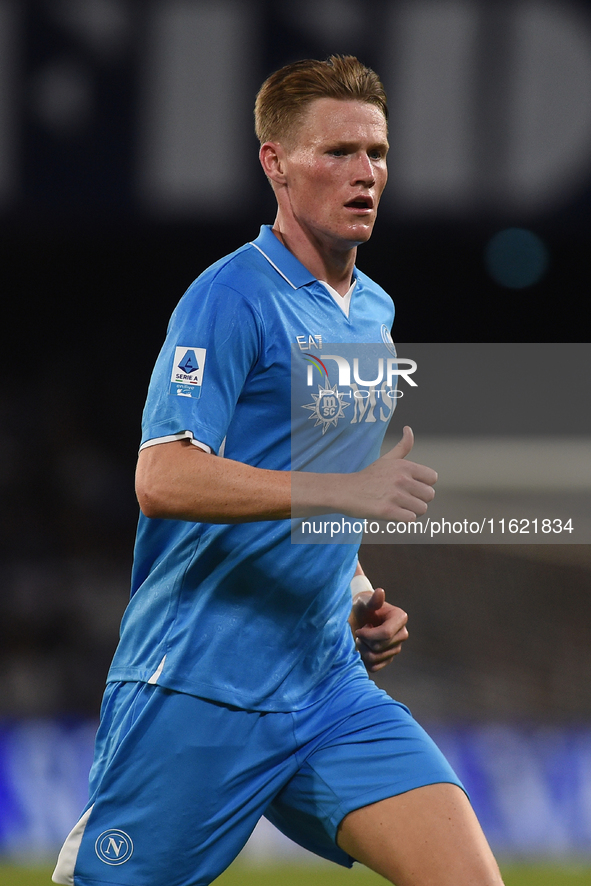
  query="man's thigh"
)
[
  {"x": 426, "y": 836},
  {"x": 356, "y": 748},
  {"x": 177, "y": 787}
]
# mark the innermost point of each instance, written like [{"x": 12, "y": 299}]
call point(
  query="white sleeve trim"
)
[{"x": 184, "y": 435}]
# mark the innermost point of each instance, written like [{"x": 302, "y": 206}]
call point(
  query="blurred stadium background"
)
[{"x": 127, "y": 163}]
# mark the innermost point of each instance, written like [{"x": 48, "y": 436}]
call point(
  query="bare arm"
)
[
  {"x": 179, "y": 481},
  {"x": 182, "y": 482}
]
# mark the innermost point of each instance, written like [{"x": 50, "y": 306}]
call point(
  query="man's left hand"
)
[{"x": 379, "y": 628}]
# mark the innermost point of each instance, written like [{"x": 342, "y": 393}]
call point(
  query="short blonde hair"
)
[{"x": 283, "y": 98}]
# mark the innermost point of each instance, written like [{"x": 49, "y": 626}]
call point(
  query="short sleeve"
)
[{"x": 213, "y": 343}]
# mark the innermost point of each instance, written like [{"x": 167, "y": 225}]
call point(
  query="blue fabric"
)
[
  {"x": 179, "y": 783},
  {"x": 237, "y": 613}
]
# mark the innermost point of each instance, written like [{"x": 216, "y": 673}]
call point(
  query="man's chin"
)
[
  {"x": 359, "y": 234},
  {"x": 346, "y": 237}
]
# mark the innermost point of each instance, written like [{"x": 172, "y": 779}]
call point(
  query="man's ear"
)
[{"x": 272, "y": 157}]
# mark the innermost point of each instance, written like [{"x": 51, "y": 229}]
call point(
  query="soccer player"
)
[{"x": 238, "y": 688}]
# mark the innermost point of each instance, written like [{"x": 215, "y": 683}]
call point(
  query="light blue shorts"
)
[{"x": 179, "y": 783}]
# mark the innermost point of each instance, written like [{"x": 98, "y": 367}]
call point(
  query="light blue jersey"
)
[{"x": 237, "y": 613}]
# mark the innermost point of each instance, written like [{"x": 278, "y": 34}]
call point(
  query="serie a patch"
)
[{"x": 187, "y": 372}]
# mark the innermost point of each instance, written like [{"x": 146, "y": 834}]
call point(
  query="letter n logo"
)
[{"x": 114, "y": 847}]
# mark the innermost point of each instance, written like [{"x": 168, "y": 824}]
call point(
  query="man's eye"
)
[{"x": 337, "y": 152}]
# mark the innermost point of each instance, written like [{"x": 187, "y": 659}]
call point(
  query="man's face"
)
[{"x": 336, "y": 171}]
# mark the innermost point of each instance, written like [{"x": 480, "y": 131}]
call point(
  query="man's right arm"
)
[{"x": 178, "y": 481}]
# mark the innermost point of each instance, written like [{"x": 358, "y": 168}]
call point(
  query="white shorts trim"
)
[
  {"x": 66, "y": 861},
  {"x": 154, "y": 678}
]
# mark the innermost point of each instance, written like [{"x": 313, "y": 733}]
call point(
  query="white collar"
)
[{"x": 343, "y": 301}]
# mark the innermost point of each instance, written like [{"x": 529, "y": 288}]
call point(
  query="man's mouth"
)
[{"x": 362, "y": 203}]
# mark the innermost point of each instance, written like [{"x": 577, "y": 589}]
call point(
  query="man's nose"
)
[{"x": 364, "y": 171}]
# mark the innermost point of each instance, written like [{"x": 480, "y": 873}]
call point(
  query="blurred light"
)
[
  {"x": 103, "y": 24},
  {"x": 8, "y": 64},
  {"x": 196, "y": 116},
  {"x": 62, "y": 96},
  {"x": 432, "y": 73},
  {"x": 341, "y": 20},
  {"x": 549, "y": 120},
  {"x": 491, "y": 104},
  {"x": 516, "y": 258}
]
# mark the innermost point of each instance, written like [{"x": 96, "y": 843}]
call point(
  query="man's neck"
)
[{"x": 334, "y": 267}]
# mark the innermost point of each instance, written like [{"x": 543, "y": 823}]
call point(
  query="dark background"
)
[{"x": 100, "y": 235}]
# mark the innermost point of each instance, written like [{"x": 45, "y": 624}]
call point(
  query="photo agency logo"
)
[
  {"x": 343, "y": 396},
  {"x": 363, "y": 379}
]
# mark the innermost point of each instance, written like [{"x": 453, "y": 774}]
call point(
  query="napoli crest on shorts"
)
[
  {"x": 114, "y": 847},
  {"x": 327, "y": 408}
]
